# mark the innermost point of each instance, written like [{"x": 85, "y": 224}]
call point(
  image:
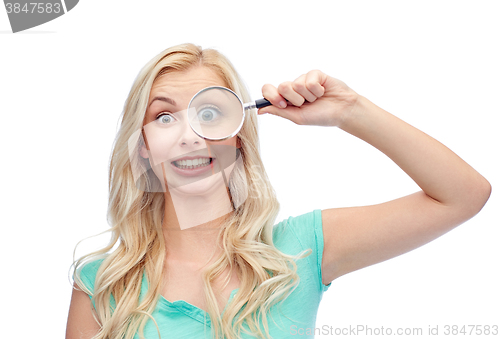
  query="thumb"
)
[{"x": 291, "y": 112}]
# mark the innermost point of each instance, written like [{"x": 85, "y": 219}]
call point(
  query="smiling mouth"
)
[{"x": 192, "y": 164}]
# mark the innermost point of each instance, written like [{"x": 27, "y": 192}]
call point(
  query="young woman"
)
[{"x": 197, "y": 253}]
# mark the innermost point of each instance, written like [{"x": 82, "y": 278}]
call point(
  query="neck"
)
[{"x": 192, "y": 223}]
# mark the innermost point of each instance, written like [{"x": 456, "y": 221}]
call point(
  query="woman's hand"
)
[{"x": 313, "y": 99}]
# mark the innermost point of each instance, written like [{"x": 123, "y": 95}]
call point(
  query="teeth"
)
[{"x": 194, "y": 163}]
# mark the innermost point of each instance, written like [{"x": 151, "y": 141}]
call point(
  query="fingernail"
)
[{"x": 283, "y": 104}]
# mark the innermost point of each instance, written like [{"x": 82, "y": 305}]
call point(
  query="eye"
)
[
  {"x": 209, "y": 113},
  {"x": 165, "y": 118}
]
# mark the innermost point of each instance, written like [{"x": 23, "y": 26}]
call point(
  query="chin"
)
[{"x": 207, "y": 188}]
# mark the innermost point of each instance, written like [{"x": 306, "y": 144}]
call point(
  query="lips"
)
[
  {"x": 187, "y": 163},
  {"x": 191, "y": 171}
]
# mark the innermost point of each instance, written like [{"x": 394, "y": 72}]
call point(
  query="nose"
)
[{"x": 189, "y": 137}]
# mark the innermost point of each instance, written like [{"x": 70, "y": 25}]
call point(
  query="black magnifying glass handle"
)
[{"x": 259, "y": 103}]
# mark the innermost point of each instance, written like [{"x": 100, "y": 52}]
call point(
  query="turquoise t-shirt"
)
[{"x": 179, "y": 319}]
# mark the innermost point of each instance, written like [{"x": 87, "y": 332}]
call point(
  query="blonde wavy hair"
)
[{"x": 267, "y": 275}]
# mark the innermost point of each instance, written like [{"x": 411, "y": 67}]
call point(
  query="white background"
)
[{"x": 434, "y": 64}]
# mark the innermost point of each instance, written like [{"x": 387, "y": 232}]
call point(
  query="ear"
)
[
  {"x": 143, "y": 148},
  {"x": 238, "y": 143},
  {"x": 143, "y": 151}
]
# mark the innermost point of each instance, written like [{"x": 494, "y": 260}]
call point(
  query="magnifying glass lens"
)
[{"x": 216, "y": 113}]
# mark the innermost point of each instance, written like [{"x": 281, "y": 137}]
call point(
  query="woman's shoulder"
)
[
  {"x": 303, "y": 232},
  {"x": 87, "y": 272},
  {"x": 91, "y": 267},
  {"x": 301, "y": 225},
  {"x": 299, "y": 232}
]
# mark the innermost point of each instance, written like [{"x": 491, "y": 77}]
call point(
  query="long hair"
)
[{"x": 137, "y": 246}]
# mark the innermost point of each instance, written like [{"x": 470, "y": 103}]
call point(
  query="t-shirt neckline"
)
[{"x": 189, "y": 309}]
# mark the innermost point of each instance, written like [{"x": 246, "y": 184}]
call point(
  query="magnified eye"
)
[
  {"x": 209, "y": 113},
  {"x": 164, "y": 118}
]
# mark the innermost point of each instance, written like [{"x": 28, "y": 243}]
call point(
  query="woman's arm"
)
[
  {"x": 81, "y": 322},
  {"x": 452, "y": 191}
]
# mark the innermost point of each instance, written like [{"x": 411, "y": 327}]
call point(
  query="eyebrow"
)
[{"x": 164, "y": 99}]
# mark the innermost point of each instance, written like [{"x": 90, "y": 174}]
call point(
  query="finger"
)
[
  {"x": 271, "y": 93},
  {"x": 299, "y": 86},
  {"x": 286, "y": 90},
  {"x": 314, "y": 81}
]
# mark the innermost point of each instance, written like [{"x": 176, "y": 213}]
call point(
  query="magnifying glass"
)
[{"x": 217, "y": 113}]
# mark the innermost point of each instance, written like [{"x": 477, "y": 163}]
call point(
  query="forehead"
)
[{"x": 185, "y": 83}]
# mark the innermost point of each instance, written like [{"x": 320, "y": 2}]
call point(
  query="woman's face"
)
[{"x": 170, "y": 139}]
